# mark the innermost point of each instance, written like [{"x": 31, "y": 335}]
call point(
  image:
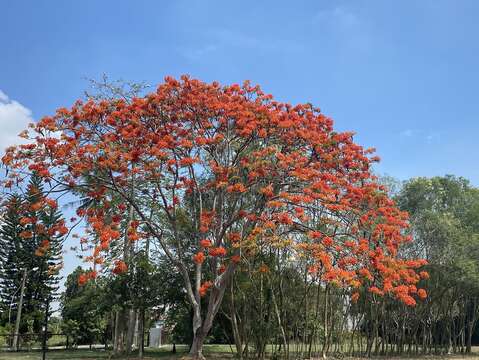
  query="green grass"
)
[
  {"x": 54, "y": 354},
  {"x": 211, "y": 351},
  {"x": 215, "y": 352}
]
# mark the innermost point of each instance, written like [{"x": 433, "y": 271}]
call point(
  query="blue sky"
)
[{"x": 402, "y": 74}]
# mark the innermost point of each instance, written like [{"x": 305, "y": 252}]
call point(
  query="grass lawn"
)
[{"x": 210, "y": 351}]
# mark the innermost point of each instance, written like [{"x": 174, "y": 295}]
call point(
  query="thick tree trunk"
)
[
  {"x": 118, "y": 345},
  {"x": 131, "y": 330},
  {"x": 214, "y": 302},
  {"x": 196, "y": 351}
]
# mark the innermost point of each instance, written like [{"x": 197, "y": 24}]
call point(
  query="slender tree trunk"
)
[
  {"x": 19, "y": 312},
  {"x": 472, "y": 318},
  {"x": 234, "y": 326},
  {"x": 141, "y": 333},
  {"x": 325, "y": 319},
  {"x": 126, "y": 320},
  {"x": 278, "y": 318},
  {"x": 316, "y": 320}
]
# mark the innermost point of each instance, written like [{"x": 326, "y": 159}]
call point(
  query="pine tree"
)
[
  {"x": 11, "y": 256},
  {"x": 25, "y": 230}
]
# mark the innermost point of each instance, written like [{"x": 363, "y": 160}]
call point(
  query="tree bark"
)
[
  {"x": 141, "y": 333},
  {"x": 130, "y": 330},
  {"x": 118, "y": 344},
  {"x": 214, "y": 303},
  {"x": 325, "y": 319},
  {"x": 19, "y": 312},
  {"x": 234, "y": 326},
  {"x": 472, "y": 318},
  {"x": 278, "y": 318}
]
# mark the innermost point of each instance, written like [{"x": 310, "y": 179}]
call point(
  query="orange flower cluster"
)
[
  {"x": 27, "y": 220},
  {"x": 205, "y": 243},
  {"x": 217, "y": 251},
  {"x": 120, "y": 267},
  {"x": 205, "y": 287},
  {"x": 83, "y": 278},
  {"x": 233, "y": 237},
  {"x": 221, "y": 269},
  {"x": 199, "y": 258}
]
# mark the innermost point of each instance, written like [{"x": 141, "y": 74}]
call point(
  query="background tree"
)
[
  {"x": 445, "y": 223},
  {"x": 83, "y": 316}
]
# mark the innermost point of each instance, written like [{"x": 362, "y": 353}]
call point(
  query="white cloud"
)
[
  {"x": 407, "y": 133},
  {"x": 3, "y": 97},
  {"x": 14, "y": 118},
  {"x": 421, "y": 135}
]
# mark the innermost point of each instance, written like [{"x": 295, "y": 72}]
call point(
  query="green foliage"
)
[
  {"x": 11, "y": 254},
  {"x": 444, "y": 214},
  {"x": 82, "y": 311}
]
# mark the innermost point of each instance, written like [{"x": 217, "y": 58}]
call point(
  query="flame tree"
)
[{"x": 241, "y": 169}]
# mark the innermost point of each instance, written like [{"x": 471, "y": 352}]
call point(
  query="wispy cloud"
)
[
  {"x": 431, "y": 137},
  {"x": 407, "y": 133},
  {"x": 14, "y": 118},
  {"x": 338, "y": 16},
  {"x": 220, "y": 40}
]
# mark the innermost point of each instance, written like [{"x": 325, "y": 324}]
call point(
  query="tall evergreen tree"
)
[
  {"x": 31, "y": 239},
  {"x": 11, "y": 256}
]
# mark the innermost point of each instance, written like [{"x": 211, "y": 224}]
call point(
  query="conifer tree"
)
[
  {"x": 31, "y": 239},
  {"x": 11, "y": 255}
]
